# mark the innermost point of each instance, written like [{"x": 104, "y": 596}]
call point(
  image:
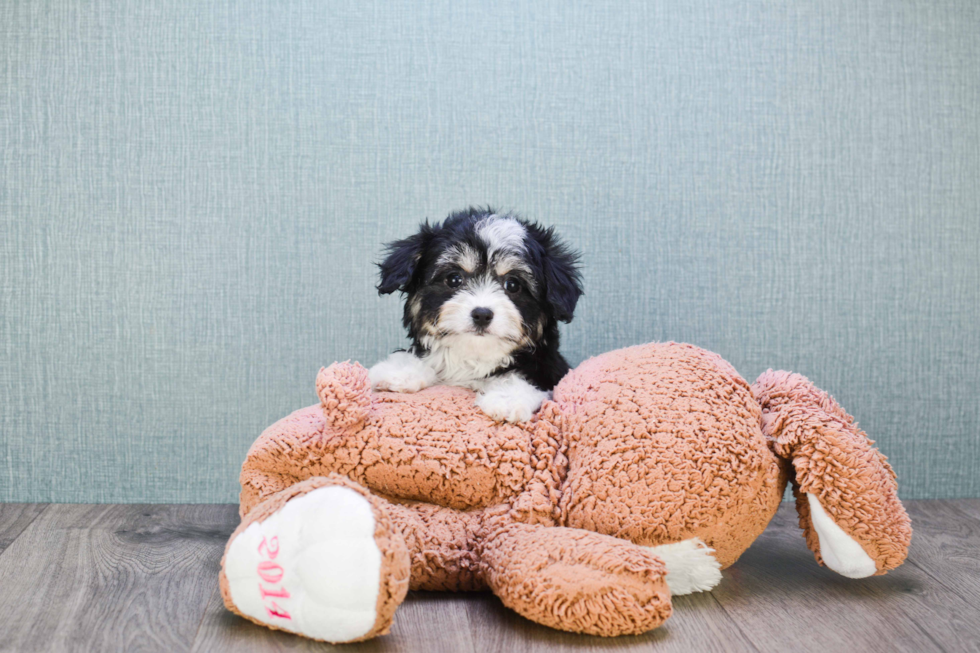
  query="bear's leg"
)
[
  {"x": 846, "y": 494},
  {"x": 576, "y": 580},
  {"x": 442, "y": 545},
  {"x": 322, "y": 558}
]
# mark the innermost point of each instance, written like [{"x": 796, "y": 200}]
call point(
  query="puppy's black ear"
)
[
  {"x": 563, "y": 283},
  {"x": 402, "y": 260}
]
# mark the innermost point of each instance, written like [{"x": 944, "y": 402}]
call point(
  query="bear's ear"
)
[
  {"x": 559, "y": 267},
  {"x": 345, "y": 394},
  {"x": 401, "y": 262}
]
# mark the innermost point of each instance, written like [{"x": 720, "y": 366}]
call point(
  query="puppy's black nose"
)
[{"x": 482, "y": 317}]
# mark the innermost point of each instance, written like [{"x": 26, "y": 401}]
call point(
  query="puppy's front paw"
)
[
  {"x": 511, "y": 403},
  {"x": 401, "y": 372},
  {"x": 399, "y": 382}
]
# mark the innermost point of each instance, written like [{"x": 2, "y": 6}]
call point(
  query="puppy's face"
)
[
  {"x": 482, "y": 280},
  {"x": 480, "y": 284}
]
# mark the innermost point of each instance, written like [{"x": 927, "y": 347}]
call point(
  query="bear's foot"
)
[
  {"x": 320, "y": 559},
  {"x": 839, "y": 551}
]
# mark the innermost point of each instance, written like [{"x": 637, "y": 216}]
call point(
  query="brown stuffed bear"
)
[{"x": 653, "y": 468}]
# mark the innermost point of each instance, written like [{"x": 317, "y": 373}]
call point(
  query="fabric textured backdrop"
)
[{"x": 192, "y": 196}]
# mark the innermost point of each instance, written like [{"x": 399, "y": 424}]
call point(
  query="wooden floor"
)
[{"x": 144, "y": 577}]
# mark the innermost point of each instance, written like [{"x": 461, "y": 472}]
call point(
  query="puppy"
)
[{"x": 484, "y": 293}]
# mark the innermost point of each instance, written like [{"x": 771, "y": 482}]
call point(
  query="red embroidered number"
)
[{"x": 272, "y": 573}]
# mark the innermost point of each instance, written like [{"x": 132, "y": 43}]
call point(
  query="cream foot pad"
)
[
  {"x": 312, "y": 567},
  {"x": 839, "y": 551}
]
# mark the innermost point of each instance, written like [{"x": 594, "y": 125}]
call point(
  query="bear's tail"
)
[{"x": 846, "y": 493}]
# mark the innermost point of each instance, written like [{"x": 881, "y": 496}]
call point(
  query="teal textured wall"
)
[{"x": 192, "y": 196}]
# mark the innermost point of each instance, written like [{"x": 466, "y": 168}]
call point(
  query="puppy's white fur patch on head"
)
[{"x": 501, "y": 234}]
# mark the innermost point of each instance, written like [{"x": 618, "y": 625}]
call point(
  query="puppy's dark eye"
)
[
  {"x": 512, "y": 285},
  {"x": 454, "y": 280}
]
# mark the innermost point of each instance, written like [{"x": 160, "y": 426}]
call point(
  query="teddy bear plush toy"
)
[{"x": 653, "y": 468}]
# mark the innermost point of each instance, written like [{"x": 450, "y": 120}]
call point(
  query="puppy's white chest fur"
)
[{"x": 466, "y": 360}]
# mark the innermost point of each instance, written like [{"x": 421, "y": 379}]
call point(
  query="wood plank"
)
[
  {"x": 112, "y": 578},
  {"x": 479, "y": 623},
  {"x": 787, "y": 602},
  {"x": 141, "y": 577},
  {"x": 436, "y": 622},
  {"x": 946, "y": 546},
  {"x": 969, "y": 507},
  {"x": 14, "y": 518},
  {"x": 698, "y": 623},
  {"x": 432, "y": 622},
  {"x": 775, "y": 598}
]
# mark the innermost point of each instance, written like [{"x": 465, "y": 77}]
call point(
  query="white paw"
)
[
  {"x": 402, "y": 372},
  {"x": 839, "y": 550},
  {"x": 312, "y": 567},
  {"x": 510, "y": 399},
  {"x": 498, "y": 407},
  {"x": 691, "y": 566}
]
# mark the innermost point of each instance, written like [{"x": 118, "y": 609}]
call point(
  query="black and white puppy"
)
[{"x": 484, "y": 293}]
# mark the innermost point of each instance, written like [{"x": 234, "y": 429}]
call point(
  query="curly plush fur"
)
[{"x": 563, "y": 516}]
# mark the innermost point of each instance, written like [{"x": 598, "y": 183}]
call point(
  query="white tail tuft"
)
[{"x": 691, "y": 566}]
